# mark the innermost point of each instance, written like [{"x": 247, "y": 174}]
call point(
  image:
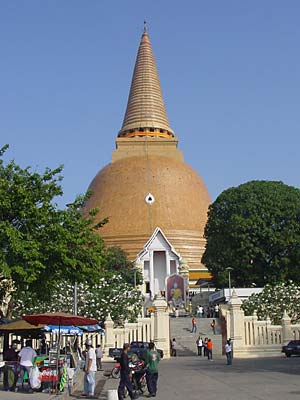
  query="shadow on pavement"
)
[{"x": 290, "y": 366}]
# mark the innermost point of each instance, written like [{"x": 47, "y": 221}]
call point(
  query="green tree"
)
[
  {"x": 40, "y": 244},
  {"x": 110, "y": 294},
  {"x": 273, "y": 301},
  {"x": 117, "y": 262},
  {"x": 255, "y": 229}
]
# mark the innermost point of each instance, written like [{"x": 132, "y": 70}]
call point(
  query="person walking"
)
[
  {"x": 152, "y": 360},
  {"x": 90, "y": 367},
  {"x": 209, "y": 349},
  {"x": 228, "y": 352},
  {"x": 213, "y": 326},
  {"x": 194, "y": 325},
  {"x": 99, "y": 356},
  {"x": 199, "y": 344},
  {"x": 27, "y": 358},
  {"x": 126, "y": 375},
  {"x": 174, "y": 348}
]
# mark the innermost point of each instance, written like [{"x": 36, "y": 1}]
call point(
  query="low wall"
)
[
  {"x": 257, "y": 352},
  {"x": 254, "y": 338}
]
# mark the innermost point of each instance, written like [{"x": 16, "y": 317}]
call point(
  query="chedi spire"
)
[{"x": 145, "y": 113}]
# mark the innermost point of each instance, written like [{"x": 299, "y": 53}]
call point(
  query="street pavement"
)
[
  {"x": 192, "y": 378},
  {"x": 189, "y": 378}
]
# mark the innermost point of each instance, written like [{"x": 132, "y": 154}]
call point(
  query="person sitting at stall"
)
[
  {"x": 11, "y": 354},
  {"x": 43, "y": 345},
  {"x": 27, "y": 358}
]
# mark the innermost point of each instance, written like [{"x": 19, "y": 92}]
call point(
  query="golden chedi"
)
[{"x": 156, "y": 204}]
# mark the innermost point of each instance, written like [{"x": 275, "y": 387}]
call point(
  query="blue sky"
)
[{"x": 229, "y": 71}]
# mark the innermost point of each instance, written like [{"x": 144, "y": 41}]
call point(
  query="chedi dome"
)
[{"x": 156, "y": 204}]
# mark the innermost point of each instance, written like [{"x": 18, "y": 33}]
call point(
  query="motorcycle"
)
[
  {"x": 138, "y": 372},
  {"x": 115, "y": 372}
]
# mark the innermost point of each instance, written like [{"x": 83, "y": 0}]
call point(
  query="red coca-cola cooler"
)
[{"x": 49, "y": 374}]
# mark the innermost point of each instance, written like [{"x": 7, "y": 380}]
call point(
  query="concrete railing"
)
[
  {"x": 295, "y": 332},
  {"x": 261, "y": 333},
  {"x": 138, "y": 331},
  {"x": 254, "y": 338},
  {"x": 154, "y": 328}
]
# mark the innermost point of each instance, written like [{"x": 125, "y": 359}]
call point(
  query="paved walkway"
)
[
  {"x": 191, "y": 378},
  {"x": 77, "y": 390}
]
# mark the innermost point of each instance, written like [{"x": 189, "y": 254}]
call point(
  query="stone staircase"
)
[{"x": 186, "y": 341}]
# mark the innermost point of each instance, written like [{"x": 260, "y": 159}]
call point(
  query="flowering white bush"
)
[
  {"x": 273, "y": 301},
  {"x": 111, "y": 295}
]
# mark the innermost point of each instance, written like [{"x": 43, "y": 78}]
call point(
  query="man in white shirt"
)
[
  {"x": 228, "y": 352},
  {"x": 200, "y": 311},
  {"x": 27, "y": 357},
  {"x": 216, "y": 311},
  {"x": 89, "y": 371}
]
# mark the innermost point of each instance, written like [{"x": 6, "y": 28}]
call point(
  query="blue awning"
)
[
  {"x": 92, "y": 328},
  {"x": 64, "y": 330}
]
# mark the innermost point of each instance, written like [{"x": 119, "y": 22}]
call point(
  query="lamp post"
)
[
  {"x": 75, "y": 298},
  {"x": 229, "y": 269}
]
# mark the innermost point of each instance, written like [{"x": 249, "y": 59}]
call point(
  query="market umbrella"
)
[
  {"x": 20, "y": 325},
  {"x": 60, "y": 319},
  {"x": 22, "y": 328}
]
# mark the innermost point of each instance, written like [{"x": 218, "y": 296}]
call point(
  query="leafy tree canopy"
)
[
  {"x": 255, "y": 229},
  {"x": 117, "y": 262},
  {"x": 41, "y": 245},
  {"x": 273, "y": 301}
]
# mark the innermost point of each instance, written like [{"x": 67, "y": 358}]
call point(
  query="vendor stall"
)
[
  {"x": 60, "y": 319},
  {"x": 56, "y": 359},
  {"x": 14, "y": 333}
]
